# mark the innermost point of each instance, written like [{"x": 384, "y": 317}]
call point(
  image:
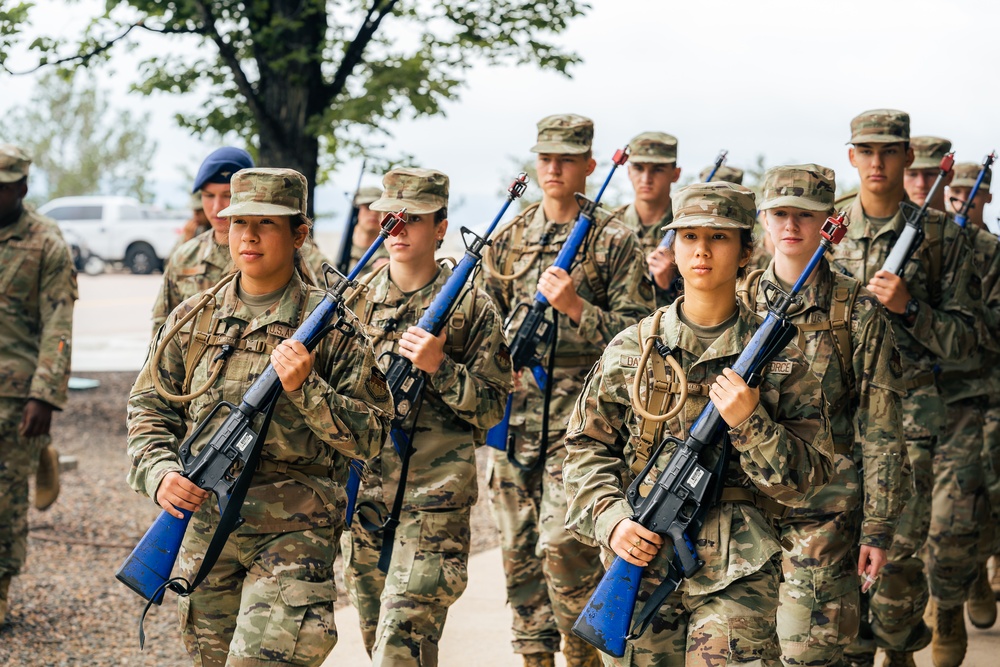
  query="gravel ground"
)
[{"x": 67, "y": 607}]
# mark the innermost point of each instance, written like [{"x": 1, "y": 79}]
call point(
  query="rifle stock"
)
[{"x": 674, "y": 505}]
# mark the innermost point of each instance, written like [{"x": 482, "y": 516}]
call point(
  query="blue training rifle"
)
[
  {"x": 913, "y": 232},
  {"x": 407, "y": 383},
  {"x": 226, "y": 463},
  {"x": 962, "y": 217},
  {"x": 530, "y": 343},
  {"x": 674, "y": 506}
]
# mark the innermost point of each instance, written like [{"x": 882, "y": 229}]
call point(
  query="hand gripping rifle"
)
[
  {"x": 719, "y": 161},
  {"x": 536, "y": 334},
  {"x": 913, "y": 233},
  {"x": 675, "y": 504},
  {"x": 962, "y": 217},
  {"x": 344, "y": 261},
  {"x": 407, "y": 383},
  {"x": 225, "y": 465}
]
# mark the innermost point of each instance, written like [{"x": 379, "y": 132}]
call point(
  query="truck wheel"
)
[{"x": 141, "y": 258}]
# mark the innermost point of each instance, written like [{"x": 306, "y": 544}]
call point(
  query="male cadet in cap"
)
[
  {"x": 933, "y": 309},
  {"x": 846, "y": 336},
  {"x": 200, "y": 263},
  {"x": 197, "y": 223},
  {"x": 37, "y": 292},
  {"x": 652, "y": 168},
  {"x": 467, "y": 368},
  {"x": 367, "y": 229},
  {"x": 724, "y": 173},
  {"x": 549, "y": 575}
]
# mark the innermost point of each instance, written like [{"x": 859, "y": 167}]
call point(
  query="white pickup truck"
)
[{"x": 119, "y": 229}]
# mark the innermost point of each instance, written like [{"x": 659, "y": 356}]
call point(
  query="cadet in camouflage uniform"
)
[
  {"x": 549, "y": 574},
  {"x": 932, "y": 308},
  {"x": 196, "y": 224},
  {"x": 402, "y": 612},
  {"x": 269, "y": 598},
  {"x": 200, "y": 263},
  {"x": 848, "y": 341},
  {"x": 982, "y": 597},
  {"x": 369, "y": 224},
  {"x": 37, "y": 292},
  {"x": 652, "y": 168},
  {"x": 960, "y": 505},
  {"x": 725, "y": 612}
]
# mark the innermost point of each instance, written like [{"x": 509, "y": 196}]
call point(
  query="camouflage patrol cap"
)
[
  {"x": 196, "y": 203},
  {"x": 367, "y": 195},
  {"x": 564, "y": 133},
  {"x": 420, "y": 191},
  {"x": 717, "y": 204},
  {"x": 928, "y": 151},
  {"x": 264, "y": 191},
  {"x": 966, "y": 174},
  {"x": 725, "y": 173},
  {"x": 880, "y": 126},
  {"x": 653, "y": 148},
  {"x": 14, "y": 162},
  {"x": 807, "y": 186}
]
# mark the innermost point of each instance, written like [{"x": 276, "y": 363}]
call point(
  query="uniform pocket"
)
[
  {"x": 439, "y": 572},
  {"x": 752, "y": 638},
  {"x": 11, "y": 269},
  {"x": 300, "y": 627},
  {"x": 836, "y": 597}
]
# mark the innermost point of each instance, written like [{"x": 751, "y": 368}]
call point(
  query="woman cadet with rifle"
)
[
  {"x": 269, "y": 598},
  {"x": 403, "y": 600},
  {"x": 724, "y": 611},
  {"x": 841, "y": 532}
]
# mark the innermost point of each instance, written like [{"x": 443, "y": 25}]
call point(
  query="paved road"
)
[{"x": 111, "y": 332}]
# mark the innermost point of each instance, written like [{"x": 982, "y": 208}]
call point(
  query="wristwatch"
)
[{"x": 912, "y": 308}]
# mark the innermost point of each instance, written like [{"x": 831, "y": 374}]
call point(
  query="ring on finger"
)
[{"x": 629, "y": 550}]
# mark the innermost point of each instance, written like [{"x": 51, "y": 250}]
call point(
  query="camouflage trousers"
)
[
  {"x": 819, "y": 595},
  {"x": 550, "y": 575},
  {"x": 960, "y": 505},
  {"x": 900, "y": 595},
  {"x": 990, "y": 537},
  {"x": 734, "y": 626},
  {"x": 402, "y": 613},
  {"x": 268, "y": 600},
  {"x": 18, "y": 463}
]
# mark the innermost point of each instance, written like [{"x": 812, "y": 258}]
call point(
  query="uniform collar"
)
[
  {"x": 814, "y": 296},
  {"x": 730, "y": 343},
  {"x": 860, "y": 226},
  {"x": 289, "y": 311},
  {"x": 383, "y": 291},
  {"x": 18, "y": 229}
]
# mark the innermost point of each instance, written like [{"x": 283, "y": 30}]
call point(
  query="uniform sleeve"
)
[
  {"x": 162, "y": 305},
  {"x": 990, "y": 329},
  {"x": 630, "y": 293},
  {"x": 947, "y": 328},
  {"x": 155, "y": 425},
  {"x": 595, "y": 466},
  {"x": 498, "y": 290},
  {"x": 476, "y": 390},
  {"x": 57, "y": 294},
  {"x": 879, "y": 423},
  {"x": 346, "y": 402},
  {"x": 785, "y": 445}
]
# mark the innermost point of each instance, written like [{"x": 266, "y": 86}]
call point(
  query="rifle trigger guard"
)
[{"x": 344, "y": 327}]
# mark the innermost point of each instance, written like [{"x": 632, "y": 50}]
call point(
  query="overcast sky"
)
[{"x": 772, "y": 77}]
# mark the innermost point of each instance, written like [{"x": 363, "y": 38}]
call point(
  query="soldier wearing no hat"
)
[
  {"x": 37, "y": 293},
  {"x": 933, "y": 309},
  {"x": 652, "y": 168},
  {"x": 269, "y": 599},
  {"x": 549, "y": 575},
  {"x": 842, "y": 530},
  {"x": 402, "y": 611},
  {"x": 780, "y": 447}
]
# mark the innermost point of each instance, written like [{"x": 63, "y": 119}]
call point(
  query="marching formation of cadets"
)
[{"x": 854, "y": 510}]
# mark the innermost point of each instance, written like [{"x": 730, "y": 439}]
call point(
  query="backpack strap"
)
[
  {"x": 459, "y": 325},
  {"x": 516, "y": 250},
  {"x": 839, "y": 325},
  {"x": 589, "y": 265}
]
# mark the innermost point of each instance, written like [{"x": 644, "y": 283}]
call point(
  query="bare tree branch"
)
[{"x": 352, "y": 56}]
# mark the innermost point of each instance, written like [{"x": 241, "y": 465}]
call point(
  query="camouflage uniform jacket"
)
[
  {"x": 649, "y": 235},
  {"x": 783, "y": 448},
  {"x": 977, "y": 375},
  {"x": 37, "y": 292},
  {"x": 867, "y": 423},
  {"x": 342, "y": 410},
  {"x": 466, "y": 396},
  {"x": 193, "y": 267},
  {"x": 945, "y": 324},
  {"x": 622, "y": 272}
]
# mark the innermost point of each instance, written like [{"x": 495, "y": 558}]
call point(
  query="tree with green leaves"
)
[
  {"x": 78, "y": 143},
  {"x": 306, "y": 82}
]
